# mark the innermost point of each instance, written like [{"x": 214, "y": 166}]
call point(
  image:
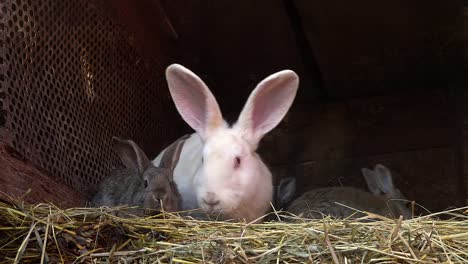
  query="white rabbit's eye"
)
[
  {"x": 237, "y": 162},
  {"x": 146, "y": 183}
]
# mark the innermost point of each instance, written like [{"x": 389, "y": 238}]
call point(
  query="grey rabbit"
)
[
  {"x": 141, "y": 183},
  {"x": 283, "y": 195},
  {"x": 383, "y": 198}
]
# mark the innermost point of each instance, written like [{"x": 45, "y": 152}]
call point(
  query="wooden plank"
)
[
  {"x": 17, "y": 176},
  {"x": 148, "y": 25},
  {"x": 462, "y": 108},
  {"x": 186, "y": 18},
  {"x": 462, "y": 119},
  {"x": 244, "y": 42},
  {"x": 372, "y": 47},
  {"x": 361, "y": 127}
]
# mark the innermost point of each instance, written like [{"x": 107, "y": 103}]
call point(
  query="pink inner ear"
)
[
  {"x": 194, "y": 101},
  {"x": 191, "y": 105},
  {"x": 271, "y": 104},
  {"x": 267, "y": 105}
]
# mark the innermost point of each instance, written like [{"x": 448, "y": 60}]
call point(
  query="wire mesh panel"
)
[{"x": 71, "y": 80}]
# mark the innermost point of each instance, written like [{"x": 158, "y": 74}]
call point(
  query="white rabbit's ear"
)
[
  {"x": 371, "y": 180},
  {"x": 194, "y": 101},
  {"x": 131, "y": 155},
  {"x": 267, "y": 105}
]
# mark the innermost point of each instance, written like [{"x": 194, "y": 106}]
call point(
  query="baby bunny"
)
[
  {"x": 379, "y": 181},
  {"x": 284, "y": 193},
  {"x": 385, "y": 199},
  {"x": 219, "y": 169},
  {"x": 141, "y": 183}
]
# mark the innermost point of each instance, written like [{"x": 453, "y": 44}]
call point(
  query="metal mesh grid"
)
[{"x": 70, "y": 81}]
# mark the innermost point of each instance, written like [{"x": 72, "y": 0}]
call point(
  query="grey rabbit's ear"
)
[
  {"x": 371, "y": 180},
  {"x": 384, "y": 179},
  {"x": 379, "y": 181},
  {"x": 286, "y": 191},
  {"x": 131, "y": 155},
  {"x": 171, "y": 156}
]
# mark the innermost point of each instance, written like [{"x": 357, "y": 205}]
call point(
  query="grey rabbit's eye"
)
[{"x": 146, "y": 183}]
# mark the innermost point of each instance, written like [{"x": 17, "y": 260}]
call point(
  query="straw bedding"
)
[{"x": 46, "y": 234}]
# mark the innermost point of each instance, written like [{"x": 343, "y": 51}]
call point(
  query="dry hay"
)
[{"x": 47, "y": 234}]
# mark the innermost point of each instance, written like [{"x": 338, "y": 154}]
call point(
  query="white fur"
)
[
  {"x": 216, "y": 184},
  {"x": 184, "y": 173}
]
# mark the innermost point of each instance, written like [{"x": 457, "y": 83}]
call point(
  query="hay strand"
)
[{"x": 46, "y": 234}]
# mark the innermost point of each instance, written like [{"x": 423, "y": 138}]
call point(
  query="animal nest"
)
[{"x": 46, "y": 234}]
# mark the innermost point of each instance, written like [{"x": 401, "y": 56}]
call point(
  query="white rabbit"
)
[{"x": 219, "y": 169}]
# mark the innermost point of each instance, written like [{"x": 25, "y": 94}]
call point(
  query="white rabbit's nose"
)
[
  {"x": 210, "y": 199},
  {"x": 211, "y": 202}
]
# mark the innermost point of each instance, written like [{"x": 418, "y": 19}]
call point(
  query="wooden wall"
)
[
  {"x": 20, "y": 178},
  {"x": 380, "y": 82},
  {"x": 462, "y": 143},
  {"x": 367, "y": 47},
  {"x": 326, "y": 144},
  {"x": 390, "y": 72},
  {"x": 462, "y": 116}
]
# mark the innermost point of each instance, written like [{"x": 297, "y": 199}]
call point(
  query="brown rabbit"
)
[
  {"x": 384, "y": 198},
  {"x": 141, "y": 184}
]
